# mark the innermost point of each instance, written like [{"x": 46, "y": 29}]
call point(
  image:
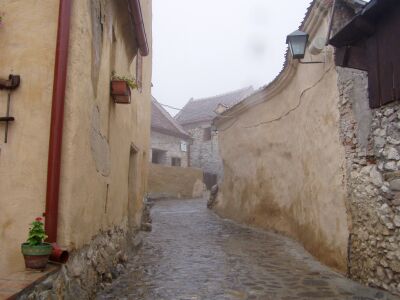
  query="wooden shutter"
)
[{"x": 384, "y": 61}]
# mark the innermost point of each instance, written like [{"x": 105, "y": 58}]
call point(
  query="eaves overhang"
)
[
  {"x": 171, "y": 133},
  {"x": 363, "y": 24},
  {"x": 135, "y": 12}
]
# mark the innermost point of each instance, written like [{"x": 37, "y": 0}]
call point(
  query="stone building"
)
[
  {"x": 370, "y": 132},
  {"x": 312, "y": 156},
  {"x": 169, "y": 141},
  {"x": 196, "y": 118},
  {"x": 170, "y": 175},
  {"x": 72, "y": 153}
]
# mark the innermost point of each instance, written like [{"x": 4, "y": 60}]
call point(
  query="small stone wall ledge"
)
[{"x": 16, "y": 284}]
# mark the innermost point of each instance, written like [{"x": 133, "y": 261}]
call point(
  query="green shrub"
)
[{"x": 36, "y": 234}]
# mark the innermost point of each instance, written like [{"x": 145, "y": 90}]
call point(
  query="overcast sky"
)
[{"x": 203, "y": 48}]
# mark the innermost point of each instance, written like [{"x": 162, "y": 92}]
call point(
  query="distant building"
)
[
  {"x": 196, "y": 118},
  {"x": 169, "y": 141}
]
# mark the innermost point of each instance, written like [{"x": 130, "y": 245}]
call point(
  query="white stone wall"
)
[
  {"x": 204, "y": 154},
  {"x": 372, "y": 142},
  {"x": 170, "y": 144}
]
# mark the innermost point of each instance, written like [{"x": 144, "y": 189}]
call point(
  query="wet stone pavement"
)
[{"x": 192, "y": 254}]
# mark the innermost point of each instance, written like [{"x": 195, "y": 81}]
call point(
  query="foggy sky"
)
[{"x": 203, "y": 48}]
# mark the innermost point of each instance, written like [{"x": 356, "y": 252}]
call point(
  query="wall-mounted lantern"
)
[{"x": 297, "y": 42}]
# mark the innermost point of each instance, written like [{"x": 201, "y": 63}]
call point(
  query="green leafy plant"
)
[
  {"x": 130, "y": 80},
  {"x": 1, "y": 18},
  {"x": 36, "y": 234}
]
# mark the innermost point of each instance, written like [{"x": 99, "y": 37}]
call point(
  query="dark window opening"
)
[
  {"x": 209, "y": 180},
  {"x": 176, "y": 161},
  {"x": 207, "y": 134},
  {"x": 158, "y": 156}
]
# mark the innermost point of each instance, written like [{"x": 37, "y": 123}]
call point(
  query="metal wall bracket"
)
[
  {"x": 310, "y": 62},
  {"x": 11, "y": 84}
]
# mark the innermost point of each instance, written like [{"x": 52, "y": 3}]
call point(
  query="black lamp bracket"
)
[
  {"x": 310, "y": 62},
  {"x": 9, "y": 85}
]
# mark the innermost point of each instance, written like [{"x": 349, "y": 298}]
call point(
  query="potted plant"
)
[
  {"x": 121, "y": 88},
  {"x": 36, "y": 252}
]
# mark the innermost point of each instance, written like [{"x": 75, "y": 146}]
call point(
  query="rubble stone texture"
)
[
  {"x": 204, "y": 154},
  {"x": 88, "y": 269},
  {"x": 95, "y": 266},
  {"x": 372, "y": 144}
]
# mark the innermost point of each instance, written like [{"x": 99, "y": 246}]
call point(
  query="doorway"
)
[{"x": 134, "y": 203}]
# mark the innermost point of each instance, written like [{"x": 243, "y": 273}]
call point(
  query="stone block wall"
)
[
  {"x": 172, "y": 146},
  {"x": 372, "y": 142},
  {"x": 204, "y": 154}
]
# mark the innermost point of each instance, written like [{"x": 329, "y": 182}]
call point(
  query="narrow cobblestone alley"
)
[{"x": 192, "y": 254}]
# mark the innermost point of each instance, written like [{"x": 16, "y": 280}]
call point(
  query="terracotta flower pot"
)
[
  {"x": 120, "y": 92},
  {"x": 36, "y": 257}
]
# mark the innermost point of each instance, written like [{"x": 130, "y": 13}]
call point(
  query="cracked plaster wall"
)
[
  {"x": 285, "y": 167},
  {"x": 288, "y": 175},
  {"x": 98, "y": 134}
]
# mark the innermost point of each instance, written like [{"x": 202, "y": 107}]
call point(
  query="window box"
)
[{"x": 120, "y": 91}]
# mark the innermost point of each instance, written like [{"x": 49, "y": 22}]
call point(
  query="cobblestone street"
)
[{"x": 192, "y": 254}]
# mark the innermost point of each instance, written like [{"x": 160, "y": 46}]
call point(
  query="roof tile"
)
[
  {"x": 162, "y": 121},
  {"x": 199, "y": 110}
]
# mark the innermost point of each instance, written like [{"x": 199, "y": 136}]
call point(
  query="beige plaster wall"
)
[
  {"x": 175, "y": 182},
  {"x": 284, "y": 165},
  {"x": 99, "y": 136},
  {"x": 27, "y": 47}
]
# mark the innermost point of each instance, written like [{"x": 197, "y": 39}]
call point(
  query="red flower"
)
[{"x": 39, "y": 219}]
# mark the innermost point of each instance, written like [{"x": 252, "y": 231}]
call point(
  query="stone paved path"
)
[{"x": 192, "y": 254}]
